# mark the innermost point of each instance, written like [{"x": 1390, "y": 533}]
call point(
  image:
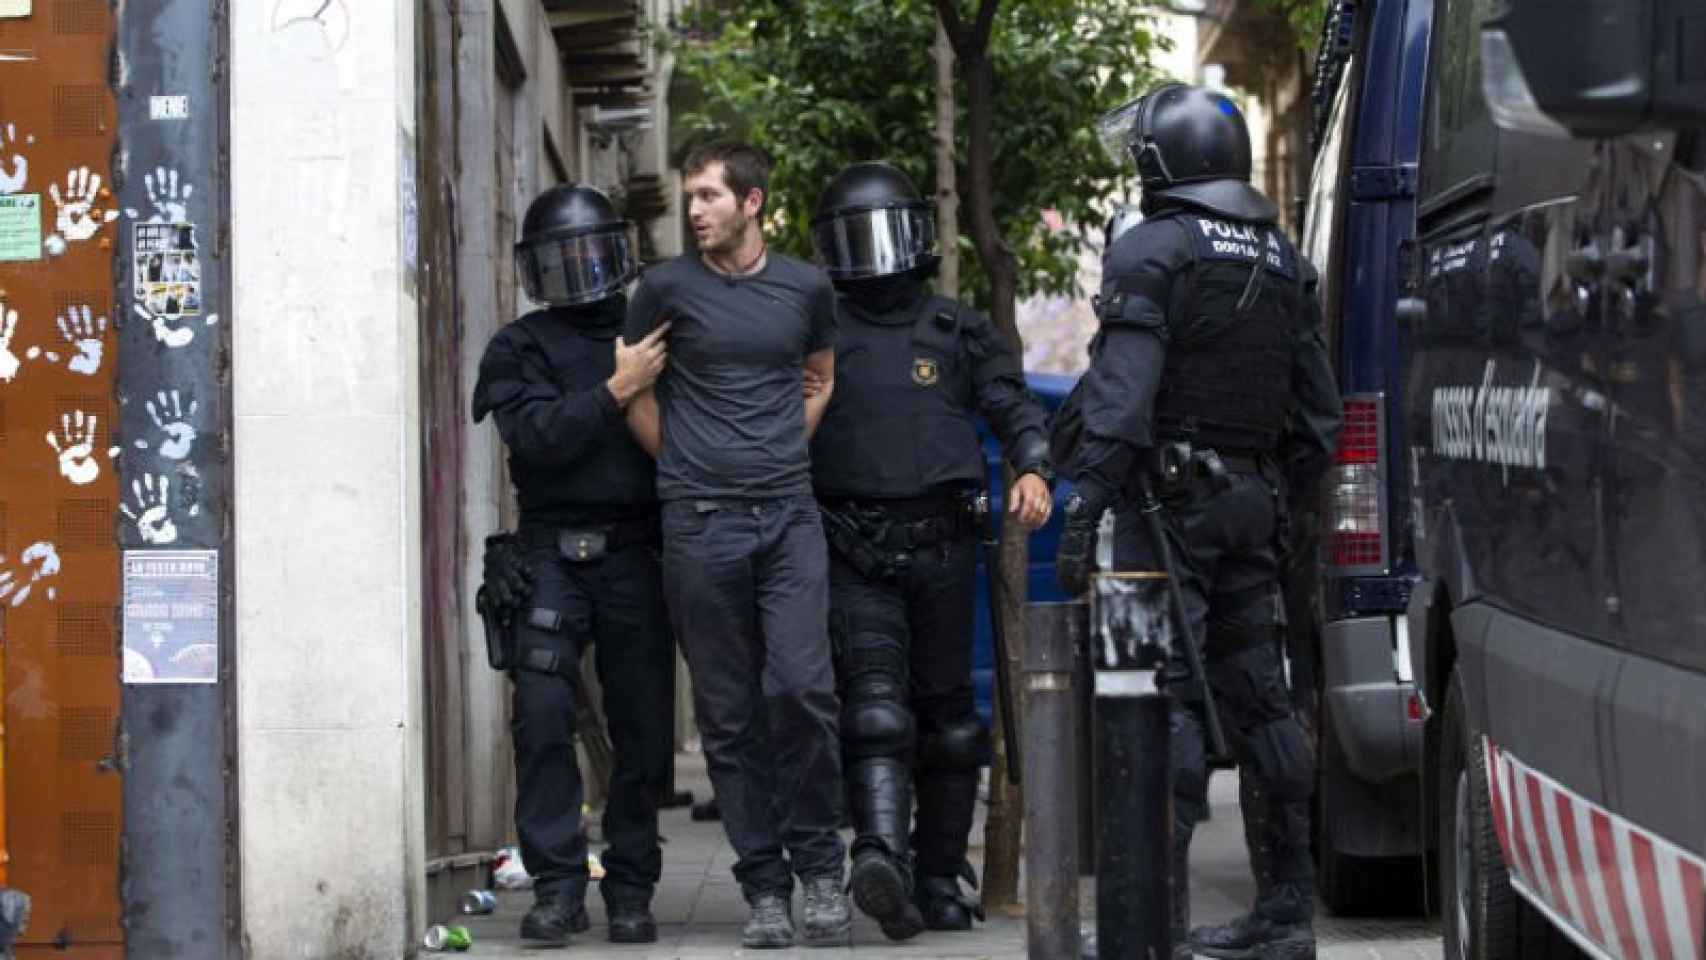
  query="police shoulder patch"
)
[{"x": 925, "y": 372}]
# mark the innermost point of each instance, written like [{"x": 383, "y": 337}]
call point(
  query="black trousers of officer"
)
[
  {"x": 615, "y": 604},
  {"x": 911, "y": 635},
  {"x": 748, "y": 590},
  {"x": 1224, "y": 553}
]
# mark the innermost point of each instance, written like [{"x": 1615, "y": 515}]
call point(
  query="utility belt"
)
[
  {"x": 879, "y": 537},
  {"x": 590, "y": 541},
  {"x": 1184, "y": 473}
]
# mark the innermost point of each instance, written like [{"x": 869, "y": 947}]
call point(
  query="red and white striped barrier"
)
[{"x": 1626, "y": 890}]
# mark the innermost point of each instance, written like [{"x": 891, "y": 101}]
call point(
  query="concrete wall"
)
[{"x": 326, "y": 480}]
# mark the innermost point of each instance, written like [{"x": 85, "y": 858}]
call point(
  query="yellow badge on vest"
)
[{"x": 924, "y": 372}]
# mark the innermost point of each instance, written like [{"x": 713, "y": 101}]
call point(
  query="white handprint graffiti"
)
[
  {"x": 84, "y": 332},
  {"x": 75, "y": 444},
  {"x": 153, "y": 514},
  {"x": 171, "y": 203},
  {"x": 79, "y": 218},
  {"x": 173, "y": 420},
  {"x": 8, "y": 328},
  {"x": 40, "y": 561},
  {"x": 13, "y": 182},
  {"x": 165, "y": 332}
]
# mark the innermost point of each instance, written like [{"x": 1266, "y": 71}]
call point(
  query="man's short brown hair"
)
[{"x": 745, "y": 167}]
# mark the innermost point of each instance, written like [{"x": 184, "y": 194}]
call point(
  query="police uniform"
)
[
  {"x": 1211, "y": 336},
  {"x": 897, "y": 464},
  {"x": 588, "y": 537},
  {"x": 898, "y": 469}
]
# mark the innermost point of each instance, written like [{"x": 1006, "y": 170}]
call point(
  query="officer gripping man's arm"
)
[
  {"x": 581, "y": 571},
  {"x": 1209, "y": 383}
]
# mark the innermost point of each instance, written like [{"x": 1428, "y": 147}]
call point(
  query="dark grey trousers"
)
[{"x": 747, "y": 583}]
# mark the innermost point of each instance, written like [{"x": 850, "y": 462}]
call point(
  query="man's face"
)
[{"x": 719, "y": 219}]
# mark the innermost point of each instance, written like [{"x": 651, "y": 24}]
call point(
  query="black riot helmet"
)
[
  {"x": 871, "y": 223},
  {"x": 574, "y": 248},
  {"x": 1191, "y": 145}
]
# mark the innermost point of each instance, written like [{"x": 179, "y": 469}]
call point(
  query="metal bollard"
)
[
  {"x": 1055, "y": 632},
  {"x": 1130, "y": 634}
]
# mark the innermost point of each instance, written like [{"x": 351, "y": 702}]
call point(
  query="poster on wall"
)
[
  {"x": 171, "y": 616},
  {"x": 14, "y": 8},
  {"x": 166, "y": 269},
  {"x": 20, "y": 225}
]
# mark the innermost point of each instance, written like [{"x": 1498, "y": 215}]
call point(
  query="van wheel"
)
[{"x": 1479, "y": 906}]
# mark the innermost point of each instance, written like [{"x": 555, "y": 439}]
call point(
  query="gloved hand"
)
[
  {"x": 1075, "y": 559},
  {"x": 508, "y": 581}
]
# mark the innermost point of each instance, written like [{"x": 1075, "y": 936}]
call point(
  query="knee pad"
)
[
  {"x": 1283, "y": 760},
  {"x": 876, "y": 728},
  {"x": 958, "y": 745}
]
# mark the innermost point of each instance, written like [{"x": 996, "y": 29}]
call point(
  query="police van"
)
[{"x": 1509, "y": 206}]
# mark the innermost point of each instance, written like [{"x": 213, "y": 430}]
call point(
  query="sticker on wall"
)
[
  {"x": 20, "y": 226},
  {"x": 166, "y": 270},
  {"x": 171, "y": 616},
  {"x": 14, "y": 8}
]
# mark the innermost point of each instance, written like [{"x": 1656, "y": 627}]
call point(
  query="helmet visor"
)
[
  {"x": 564, "y": 272},
  {"x": 1114, "y": 130},
  {"x": 875, "y": 243}
]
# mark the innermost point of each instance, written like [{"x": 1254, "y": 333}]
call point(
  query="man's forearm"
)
[
  {"x": 643, "y": 422},
  {"x": 815, "y": 407}
]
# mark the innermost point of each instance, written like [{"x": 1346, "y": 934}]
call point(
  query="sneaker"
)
[
  {"x": 880, "y": 890},
  {"x": 828, "y": 921},
  {"x": 632, "y": 923},
  {"x": 770, "y": 927},
  {"x": 552, "y": 919}
]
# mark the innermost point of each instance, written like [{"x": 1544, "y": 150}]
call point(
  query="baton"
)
[{"x": 1003, "y": 683}]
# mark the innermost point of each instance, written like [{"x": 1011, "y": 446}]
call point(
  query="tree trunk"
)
[
  {"x": 947, "y": 189},
  {"x": 1003, "y": 832}
]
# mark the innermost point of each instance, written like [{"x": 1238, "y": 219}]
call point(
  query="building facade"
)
[{"x": 249, "y": 256}]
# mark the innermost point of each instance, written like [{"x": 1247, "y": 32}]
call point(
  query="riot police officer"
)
[
  {"x": 1210, "y": 361},
  {"x": 898, "y": 469},
  {"x": 582, "y": 569}
]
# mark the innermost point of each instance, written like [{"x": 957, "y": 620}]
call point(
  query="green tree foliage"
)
[
  {"x": 1306, "y": 17},
  {"x": 822, "y": 83}
]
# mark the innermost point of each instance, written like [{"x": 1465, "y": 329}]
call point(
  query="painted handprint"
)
[
  {"x": 79, "y": 218},
  {"x": 84, "y": 332},
  {"x": 75, "y": 444},
  {"x": 171, "y": 203},
  {"x": 169, "y": 414},
  {"x": 16, "y": 170},
  {"x": 8, "y": 329},
  {"x": 164, "y": 326},
  {"x": 153, "y": 512},
  {"x": 40, "y": 561}
]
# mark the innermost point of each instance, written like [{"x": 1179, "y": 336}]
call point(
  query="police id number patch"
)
[{"x": 1240, "y": 242}]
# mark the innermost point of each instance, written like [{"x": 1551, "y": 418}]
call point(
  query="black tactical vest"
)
[
  {"x": 1227, "y": 379},
  {"x": 901, "y": 420}
]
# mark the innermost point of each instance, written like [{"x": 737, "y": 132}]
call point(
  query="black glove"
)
[
  {"x": 1075, "y": 559},
  {"x": 508, "y": 582}
]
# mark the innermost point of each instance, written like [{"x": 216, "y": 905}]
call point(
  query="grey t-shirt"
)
[{"x": 730, "y": 401}]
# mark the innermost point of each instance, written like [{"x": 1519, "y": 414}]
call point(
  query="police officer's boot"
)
[
  {"x": 1279, "y": 927},
  {"x": 554, "y": 916},
  {"x": 880, "y": 794},
  {"x": 943, "y": 904},
  {"x": 632, "y": 922}
]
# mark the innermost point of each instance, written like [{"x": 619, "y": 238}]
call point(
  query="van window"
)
[
  {"x": 1460, "y": 136},
  {"x": 1321, "y": 225}
]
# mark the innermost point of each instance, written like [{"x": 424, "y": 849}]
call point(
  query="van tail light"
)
[{"x": 1356, "y": 508}]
